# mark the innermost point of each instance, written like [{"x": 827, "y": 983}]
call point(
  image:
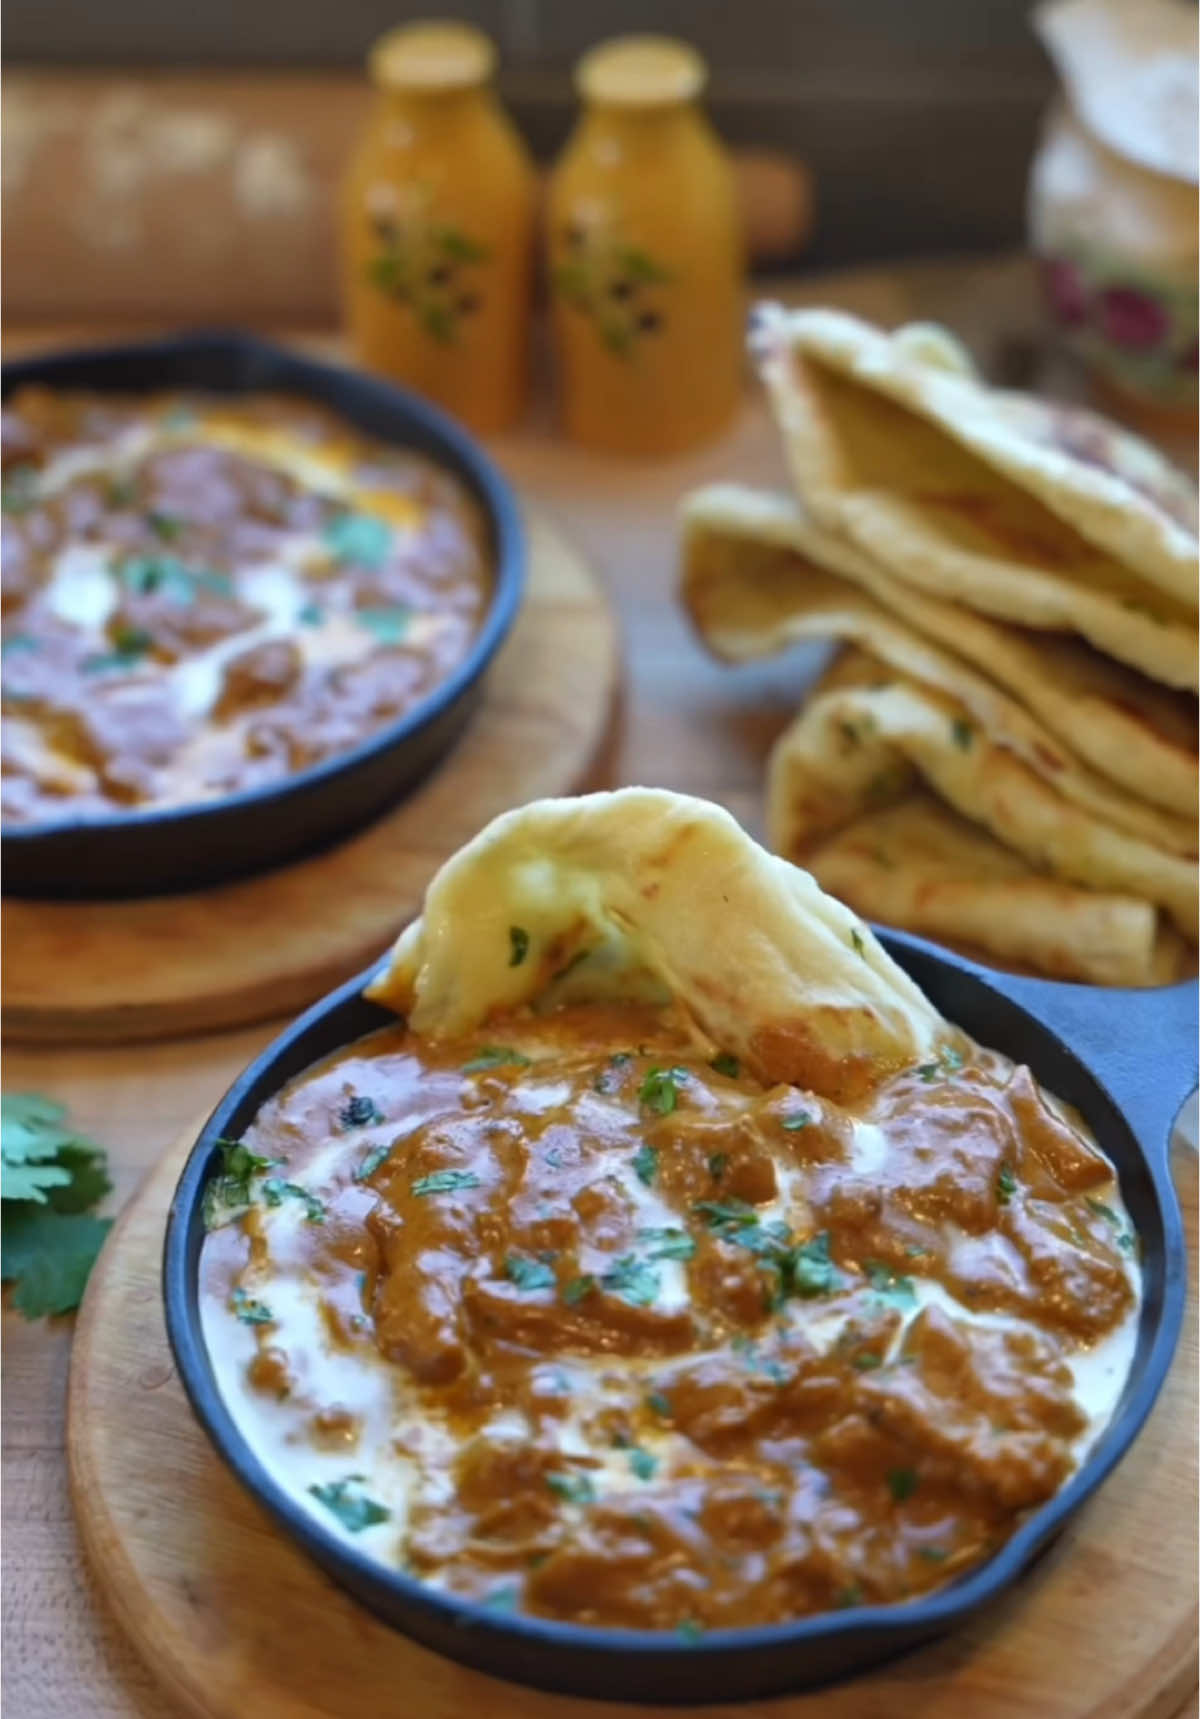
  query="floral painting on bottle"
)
[
  {"x": 429, "y": 264},
  {"x": 615, "y": 284}
]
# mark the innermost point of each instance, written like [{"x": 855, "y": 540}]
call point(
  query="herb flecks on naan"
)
[{"x": 666, "y": 892}]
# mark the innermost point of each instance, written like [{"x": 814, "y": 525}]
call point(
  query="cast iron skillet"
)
[
  {"x": 1126, "y": 1059},
  {"x": 188, "y": 847}
]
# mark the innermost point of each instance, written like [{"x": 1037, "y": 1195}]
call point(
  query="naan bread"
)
[
  {"x": 919, "y": 866},
  {"x": 995, "y": 501},
  {"x": 644, "y": 884},
  {"x": 830, "y": 764},
  {"x": 749, "y": 560},
  {"x": 746, "y": 604}
]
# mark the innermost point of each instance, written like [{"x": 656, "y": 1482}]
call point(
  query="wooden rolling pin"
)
[{"x": 210, "y": 197}]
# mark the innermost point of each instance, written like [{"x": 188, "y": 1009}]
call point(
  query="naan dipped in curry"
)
[{"x": 670, "y": 1264}]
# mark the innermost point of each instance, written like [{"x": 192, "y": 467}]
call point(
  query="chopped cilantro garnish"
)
[
  {"x": 518, "y": 939},
  {"x": 847, "y": 1597},
  {"x": 311, "y": 615},
  {"x": 645, "y": 1164},
  {"x": 389, "y": 623},
  {"x": 949, "y": 1062},
  {"x": 642, "y": 1463},
  {"x": 578, "y": 1289},
  {"x": 529, "y": 1273},
  {"x": 1104, "y": 1211},
  {"x": 14, "y": 643},
  {"x": 690, "y": 1631},
  {"x": 167, "y": 576},
  {"x": 374, "y": 1158},
  {"x": 668, "y": 1243},
  {"x": 19, "y": 490},
  {"x": 165, "y": 525},
  {"x": 358, "y": 539},
  {"x": 229, "y": 1192},
  {"x": 633, "y": 1280},
  {"x": 505, "y": 1599},
  {"x": 495, "y": 1056},
  {"x": 962, "y": 733},
  {"x": 250, "y": 1311},
  {"x": 1006, "y": 1184},
  {"x": 575, "y": 1487},
  {"x": 354, "y": 1510},
  {"x": 865, "y": 1361},
  {"x": 726, "y": 1064},
  {"x": 659, "y": 1403},
  {"x": 660, "y": 1089},
  {"x": 811, "y": 1271},
  {"x": 932, "y": 1554},
  {"x": 860, "y": 946},
  {"x": 902, "y": 1483},
  {"x": 890, "y": 1285},
  {"x": 359, "y": 1112},
  {"x": 717, "y": 1165},
  {"x": 276, "y": 1190},
  {"x": 444, "y": 1182},
  {"x": 796, "y": 1121}
]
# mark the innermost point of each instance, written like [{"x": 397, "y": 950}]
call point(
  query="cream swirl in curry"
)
[
  {"x": 578, "y": 1316},
  {"x": 207, "y": 595}
]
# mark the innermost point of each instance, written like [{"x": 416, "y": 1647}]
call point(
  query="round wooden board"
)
[
  {"x": 105, "y": 971},
  {"x": 236, "y": 1621}
]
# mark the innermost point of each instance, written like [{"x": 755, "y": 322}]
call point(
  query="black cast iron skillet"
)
[
  {"x": 189, "y": 847},
  {"x": 1126, "y": 1059}
]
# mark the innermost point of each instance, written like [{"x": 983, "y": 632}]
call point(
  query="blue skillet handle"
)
[{"x": 1140, "y": 1045}]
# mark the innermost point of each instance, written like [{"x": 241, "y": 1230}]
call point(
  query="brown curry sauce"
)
[
  {"x": 205, "y": 595},
  {"x": 649, "y": 1345}
]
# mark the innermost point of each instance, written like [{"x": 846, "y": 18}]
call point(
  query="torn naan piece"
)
[
  {"x": 865, "y": 743},
  {"x": 980, "y": 497},
  {"x": 644, "y": 887},
  {"x": 749, "y": 562},
  {"x": 745, "y": 605},
  {"x": 920, "y": 867}
]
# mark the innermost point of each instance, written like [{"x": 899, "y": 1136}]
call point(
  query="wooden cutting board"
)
[
  {"x": 236, "y": 1622},
  {"x": 105, "y": 971}
]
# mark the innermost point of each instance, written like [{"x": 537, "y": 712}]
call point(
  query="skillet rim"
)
[
  {"x": 428, "y": 430},
  {"x": 725, "y": 1656}
]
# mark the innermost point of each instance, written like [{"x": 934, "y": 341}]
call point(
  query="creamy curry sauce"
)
[
  {"x": 205, "y": 595},
  {"x": 573, "y": 1321}
]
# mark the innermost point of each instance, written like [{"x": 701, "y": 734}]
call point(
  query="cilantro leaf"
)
[
  {"x": 495, "y": 1056},
  {"x": 518, "y": 939},
  {"x": 228, "y": 1194},
  {"x": 726, "y": 1064},
  {"x": 810, "y": 1270},
  {"x": 633, "y": 1280},
  {"x": 1006, "y": 1184},
  {"x": 354, "y": 1510},
  {"x": 890, "y": 1285},
  {"x": 645, "y": 1163},
  {"x": 276, "y": 1190},
  {"x": 574, "y": 1487},
  {"x": 444, "y": 1182},
  {"x": 668, "y": 1243},
  {"x": 389, "y": 622},
  {"x": 249, "y": 1310},
  {"x": 374, "y": 1158},
  {"x": 360, "y": 1112},
  {"x": 660, "y": 1089},
  {"x": 358, "y": 539},
  {"x": 902, "y": 1483},
  {"x": 50, "y": 1253},
  {"x": 796, "y": 1121},
  {"x": 578, "y": 1289},
  {"x": 642, "y": 1463},
  {"x": 529, "y": 1273}
]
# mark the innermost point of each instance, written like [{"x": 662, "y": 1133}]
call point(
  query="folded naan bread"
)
[
  {"x": 860, "y": 743},
  {"x": 750, "y": 598},
  {"x": 755, "y": 577},
  {"x": 645, "y": 885},
  {"x": 1015, "y": 507},
  {"x": 919, "y": 866}
]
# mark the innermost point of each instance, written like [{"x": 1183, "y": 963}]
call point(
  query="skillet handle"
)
[{"x": 1140, "y": 1045}]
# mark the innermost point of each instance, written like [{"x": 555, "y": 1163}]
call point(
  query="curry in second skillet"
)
[
  {"x": 203, "y": 595},
  {"x": 593, "y": 1313}
]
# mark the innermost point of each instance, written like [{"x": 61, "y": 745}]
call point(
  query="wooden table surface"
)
[{"x": 687, "y": 723}]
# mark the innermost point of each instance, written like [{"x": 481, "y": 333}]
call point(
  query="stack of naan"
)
[{"x": 1004, "y": 757}]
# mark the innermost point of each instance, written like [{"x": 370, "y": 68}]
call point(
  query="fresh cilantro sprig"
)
[{"x": 52, "y": 1177}]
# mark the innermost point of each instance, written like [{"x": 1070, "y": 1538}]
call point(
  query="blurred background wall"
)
[{"x": 917, "y": 117}]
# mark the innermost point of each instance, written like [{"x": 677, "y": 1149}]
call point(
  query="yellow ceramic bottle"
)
[
  {"x": 438, "y": 221},
  {"x": 646, "y": 258}
]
